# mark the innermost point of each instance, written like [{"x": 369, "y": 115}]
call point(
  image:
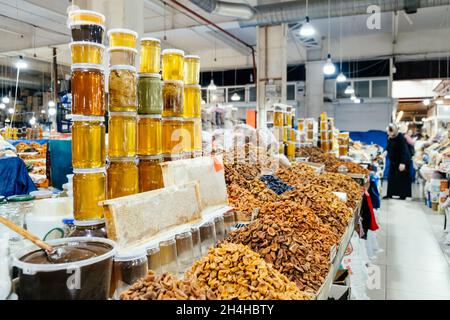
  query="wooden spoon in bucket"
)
[{"x": 52, "y": 254}]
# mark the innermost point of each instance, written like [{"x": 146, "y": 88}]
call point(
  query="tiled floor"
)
[{"x": 413, "y": 264}]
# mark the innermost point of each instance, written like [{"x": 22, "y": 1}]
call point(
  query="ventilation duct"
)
[{"x": 223, "y": 8}]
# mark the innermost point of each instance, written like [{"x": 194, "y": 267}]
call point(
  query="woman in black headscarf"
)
[{"x": 399, "y": 180}]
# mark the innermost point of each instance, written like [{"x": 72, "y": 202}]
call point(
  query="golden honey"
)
[
  {"x": 77, "y": 16},
  {"x": 173, "y": 98},
  {"x": 149, "y": 135},
  {"x": 150, "y": 173},
  {"x": 192, "y": 101},
  {"x": 188, "y": 135},
  {"x": 89, "y": 188},
  {"x": 122, "y": 178},
  {"x": 122, "y": 134},
  {"x": 123, "y": 89},
  {"x": 291, "y": 149},
  {"x": 87, "y": 52},
  {"x": 198, "y": 146},
  {"x": 173, "y": 64},
  {"x": 301, "y": 124},
  {"x": 278, "y": 119},
  {"x": 191, "y": 70},
  {"x": 88, "y": 142},
  {"x": 150, "y": 55},
  {"x": 323, "y": 126},
  {"x": 323, "y": 116},
  {"x": 285, "y": 134},
  {"x": 122, "y": 38},
  {"x": 172, "y": 136},
  {"x": 288, "y": 119},
  {"x": 88, "y": 90}
]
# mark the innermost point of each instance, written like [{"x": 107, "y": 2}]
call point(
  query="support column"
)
[
  {"x": 271, "y": 68},
  {"x": 314, "y": 89}
]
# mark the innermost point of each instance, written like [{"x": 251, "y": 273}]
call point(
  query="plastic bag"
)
[{"x": 267, "y": 140}]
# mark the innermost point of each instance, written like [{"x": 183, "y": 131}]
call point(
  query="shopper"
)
[{"x": 399, "y": 180}]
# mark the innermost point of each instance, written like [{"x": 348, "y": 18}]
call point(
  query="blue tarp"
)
[
  {"x": 61, "y": 161},
  {"x": 15, "y": 178},
  {"x": 370, "y": 137}
]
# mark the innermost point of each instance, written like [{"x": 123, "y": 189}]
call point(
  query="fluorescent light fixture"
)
[
  {"x": 341, "y": 78},
  {"x": 32, "y": 121},
  {"x": 235, "y": 97},
  {"x": 307, "y": 30},
  {"x": 349, "y": 90},
  {"x": 7, "y": 120},
  {"x": 11, "y": 110},
  {"x": 439, "y": 101},
  {"x": 212, "y": 86},
  {"x": 2, "y": 106},
  {"x": 426, "y": 102},
  {"x": 399, "y": 116},
  {"x": 43, "y": 111},
  {"x": 51, "y": 103},
  {"x": 329, "y": 68},
  {"x": 5, "y": 100},
  {"x": 21, "y": 64},
  {"x": 51, "y": 111}
]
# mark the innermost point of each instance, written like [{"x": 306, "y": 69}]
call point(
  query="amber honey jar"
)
[
  {"x": 173, "y": 64},
  {"x": 172, "y": 135},
  {"x": 198, "y": 146},
  {"x": 123, "y": 89},
  {"x": 77, "y": 16},
  {"x": 150, "y": 173},
  {"x": 278, "y": 118},
  {"x": 89, "y": 188},
  {"x": 191, "y": 69},
  {"x": 122, "y": 134},
  {"x": 188, "y": 135},
  {"x": 88, "y": 142},
  {"x": 192, "y": 101},
  {"x": 88, "y": 90},
  {"x": 122, "y": 38},
  {"x": 87, "y": 52},
  {"x": 173, "y": 98},
  {"x": 122, "y": 177},
  {"x": 288, "y": 119},
  {"x": 150, "y": 55},
  {"x": 149, "y": 135}
]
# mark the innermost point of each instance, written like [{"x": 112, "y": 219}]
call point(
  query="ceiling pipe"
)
[{"x": 228, "y": 9}]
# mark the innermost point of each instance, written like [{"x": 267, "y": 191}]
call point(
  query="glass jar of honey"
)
[
  {"x": 76, "y": 16},
  {"x": 291, "y": 150},
  {"x": 278, "y": 118},
  {"x": 89, "y": 186},
  {"x": 173, "y": 64},
  {"x": 122, "y": 38},
  {"x": 188, "y": 135},
  {"x": 122, "y": 56},
  {"x": 122, "y": 177},
  {"x": 150, "y": 55},
  {"x": 88, "y": 142},
  {"x": 87, "y": 31},
  {"x": 173, "y": 98},
  {"x": 192, "y": 101},
  {"x": 123, "y": 89},
  {"x": 191, "y": 69},
  {"x": 87, "y": 52},
  {"x": 150, "y": 173},
  {"x": 198, "y": 145},
  {"x": 301, "y": 124},
  {"x": 288, "y": 119},
  {"x": 172, "y": 134},
  {"x": 88, "y": 90},
  {"x": 150, "y": 93},
  {"x": 122, "y": 134},
  {"x": 149, "y": 135}
]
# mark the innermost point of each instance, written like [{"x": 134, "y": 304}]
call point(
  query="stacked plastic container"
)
[
  {"x": 325, "y": 143},
  {"x": 88, "y": 116},
  {"x": 149, "y": 132},
  {"x": 122, "y": 172}
]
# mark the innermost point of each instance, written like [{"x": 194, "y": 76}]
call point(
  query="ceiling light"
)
[
  {"x": 203, "y": 102},
  {"x": 21, "y": 64},
  {"x": 2, "y": 106},
  {"x": 353, "y": 97},
  {"x": 349, "y": 90},
  {"x": 5, "y": 99},
  {"x": 32, "y": 121},
  {"x": 439, "y": 101},
  {"x": 11, "y": 110},
  {"x": 329, "y": 68},
  {"x": 7, "y": 120},
  {"x": 51, "y": 111},
  {"x": 357, "y": 100},
  {"x": 42, "y": 111},
  {"x": 51, "y": 103},
  {"x": 212, "y": 86},
  {"x": 341, "y": 78},
  {"x": 426, "y": 102},
  {"x": 307, "y": 30},
  {"x": 235, "y": 97}
]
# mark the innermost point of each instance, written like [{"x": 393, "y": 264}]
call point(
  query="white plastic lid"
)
[
  {"x": 79, "y": 117},
  {"x": 170, "y": 51},
  {"x": 83, "y": 22},
  {"x": 123, "y": 114},
  {"x": 121, "y": 30},
  {"x": 122, "y": 159},
  {"x": 179, "y": 82},
  {"x": 123, "y": 67},
  {"x": 150, "y": 39},
  {"x": 89, "y": 170},
  {"x": 149, "y": 116},
  {"x": 32, "y": 268},
  {"x": 86, "y": 43},
  {"x": 87, "y": 223},
  {"x": 122, "y": 48},
  {"x": 172, "y": 119},
  {"x": 131, "y": 254},
  {"x": 149, "y": 75},
  {"x": 73, "y": 12},
  {"x": 192, "y": 57},
  {"x": 87, "y": 66},
  {"x": 154, "y": 157},
  {"x": 197, "y": 86}
]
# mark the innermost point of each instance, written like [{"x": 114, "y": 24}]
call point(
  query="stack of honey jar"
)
[
  {"x": 122, "y": 172},
  {"x": 88, "y": 112},
  {"x": 343, "y": 142},
  {"x": 290, "y": 135},
  {"x": 326, "y": 127}
]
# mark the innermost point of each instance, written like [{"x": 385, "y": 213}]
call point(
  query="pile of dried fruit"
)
[
  {"x": 325, "y": 204},
  {"x": 294, "y": 240},
  {"x": 243, "y": 201},
  {"x": 233, "y": 271},
  {"x": 317, "y": 155},
  {"x": 349, "y": 167},
  {"x": 166, "y": 287}
]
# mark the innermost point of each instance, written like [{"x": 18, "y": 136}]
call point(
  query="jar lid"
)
[
  {"x": 189, "y": 119},
  {"x": 89, "y": 170},
  {"x": 79, "y": 117},
  {"x": 85, "y": 23},
  {"x": 122, "y": 48},
  {"x": 95, "y": 13},
  {"x": 172, "y": 119},
  {"x": 149, "y": 116},
  {"x": 169, "y": 240},
  {"x": 122, "y": 159},
  {"x": 20, "y": 198},
  {"x": 123, "y": 114},
  {"x": 184, "y": 233},
  {"x": 121, "y": 30},
  {"x": 152, "y": 157},
  {"x": 149, "y": 75},
  {"x": 87, "y": 223},
  {"x": 170, "y": 51},
  {"x": 195, "y": 86},
  {"x": 122, "y": 67},
  {"x": 86, "y": 43},
  {"x": 173, "y": 156},
  {"x": 150, "y": 39},
  {"x": 218, "y": 218},
  {"x": 179, "y": 82},
  {"x": 191, "y": 56},
  {"x": 87, "y": 66},
  {"x": 133, "y": 254}
]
